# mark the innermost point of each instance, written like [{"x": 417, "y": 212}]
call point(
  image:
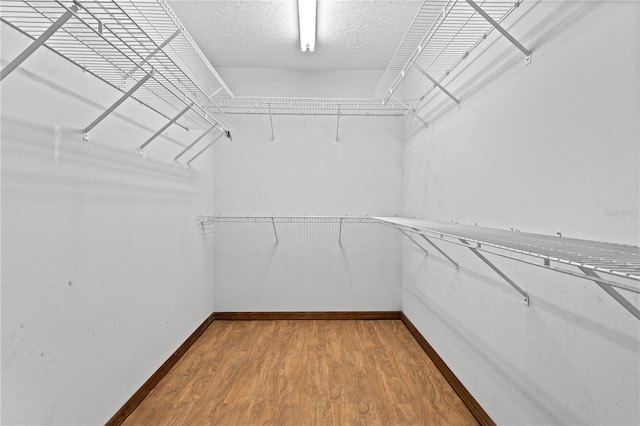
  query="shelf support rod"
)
[
  {"x": 274, "y": 230},
  {"x": 502, "y": 31},
  {"x": 497, "y": 271},
  {"x": 612, "y": 292},
  {"x": 411, "y": 111},
  {"x": 440, "y": 250},
  {"x": 340, "y": 234},
  {"x": 166, "y": 126},
  {"x": 11, "y": 66},
  {"x": 438, "y": 85},
  {"x": 273, "y": 138},
  {"x": 220, "y": 110},
  {"x": 152, "y": 54},
  {"x": 338, "y": 125},
  {"x": 209, "y": 145},
  {"x": 192, "y": 144},
  {"x": 117, "y": 103},
  {"x": 413, "y": 241}
]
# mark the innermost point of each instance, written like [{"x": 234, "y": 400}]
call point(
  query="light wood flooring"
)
[{"x": 303, "y": 373}]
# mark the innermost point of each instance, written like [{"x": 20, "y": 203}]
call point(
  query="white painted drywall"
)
[
  {"x": 549, "y": 147},
  {"x": 305, "y": 172},
  {"x": 308, "y": 269},
  {"x": 105, "y": 271}
]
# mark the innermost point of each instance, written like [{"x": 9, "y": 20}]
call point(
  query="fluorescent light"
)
[{"x": 307, "y": 19}]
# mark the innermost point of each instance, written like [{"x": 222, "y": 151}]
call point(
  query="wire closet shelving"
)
[
  {"x": 143, "y": 50},
  {"x": 441, "y": 36},
  {"x": 619, "y": 263},
  {"x": 138, "y": 47}
]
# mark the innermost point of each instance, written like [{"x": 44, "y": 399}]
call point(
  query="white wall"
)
[
  {"x": 105, "y": 271},
  {"x": 549, "y": 147},
  {"x": 308, "y": 270},
  {"x": 306, "y": 173}
]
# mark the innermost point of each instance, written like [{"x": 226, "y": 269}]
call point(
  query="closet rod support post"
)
[
  {"x": 166, "y": 126},
  {"x": 11, "y": 66},
  {"x": 612, "y": 292},
  {"x": 497, "y": 271},
  {"x": 438, "y": 85},
  {"x": 502, "y": 31},
  {"x": 117, "y": 103}
]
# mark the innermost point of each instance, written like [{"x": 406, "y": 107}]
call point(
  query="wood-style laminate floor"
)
[{"x": 303, "y": 373}]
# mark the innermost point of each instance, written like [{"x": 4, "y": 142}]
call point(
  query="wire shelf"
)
[
  {"x": 441, "y": 36},
  {"x": 288, "y": 219},
  {"x": 120, "y": 42},
  {"x": 309, "y": 106},
  {"x": 614, "y": 259}
]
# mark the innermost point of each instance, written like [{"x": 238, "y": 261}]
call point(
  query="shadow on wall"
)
[
  {"x": 313, "y": 266},
  {"x": 35, "y": 156},
  {"x": 97, "y": 107},
  {"x": 474, "y": 347},
  {"x": 552, "y": 26}
]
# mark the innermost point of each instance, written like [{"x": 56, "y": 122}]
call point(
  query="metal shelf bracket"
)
[
  {"x": 198, "y": 139},
  {"x": 209, "y": 145},
  {"x": 414, "y": 241},
  {"x": 273, "y": 138},
  {"x": 438, "y": 85},
  {"x": 340, "y": 234},
  {"x": 338, "y": 124},
  {"x": 441, "y": 252},
  {"x": 115, "y": 105},
  {"x": 411, "y": 111},
  {"x": 497, "y": 271},
  {"x": 38, "y": 42},
  {"x": 502, "y": 31},
  {"x": 273, "y": 223},
  {"x": 612, "y": 292},
  {"x": 166, "y": 126}
]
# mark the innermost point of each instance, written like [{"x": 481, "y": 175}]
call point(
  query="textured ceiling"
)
[{"x": 351, "y": 34}]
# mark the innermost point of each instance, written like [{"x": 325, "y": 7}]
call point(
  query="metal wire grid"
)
[
  {"x": 119, "y": 42},
  {"x": 615, "y": 259},
  {"x": 441, "y": 36},
  {"x": 309, "y": 106},
  {"x": 288, "y": 219}
]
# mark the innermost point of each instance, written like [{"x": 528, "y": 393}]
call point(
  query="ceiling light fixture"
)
[{"x": 307, "y": 19}]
